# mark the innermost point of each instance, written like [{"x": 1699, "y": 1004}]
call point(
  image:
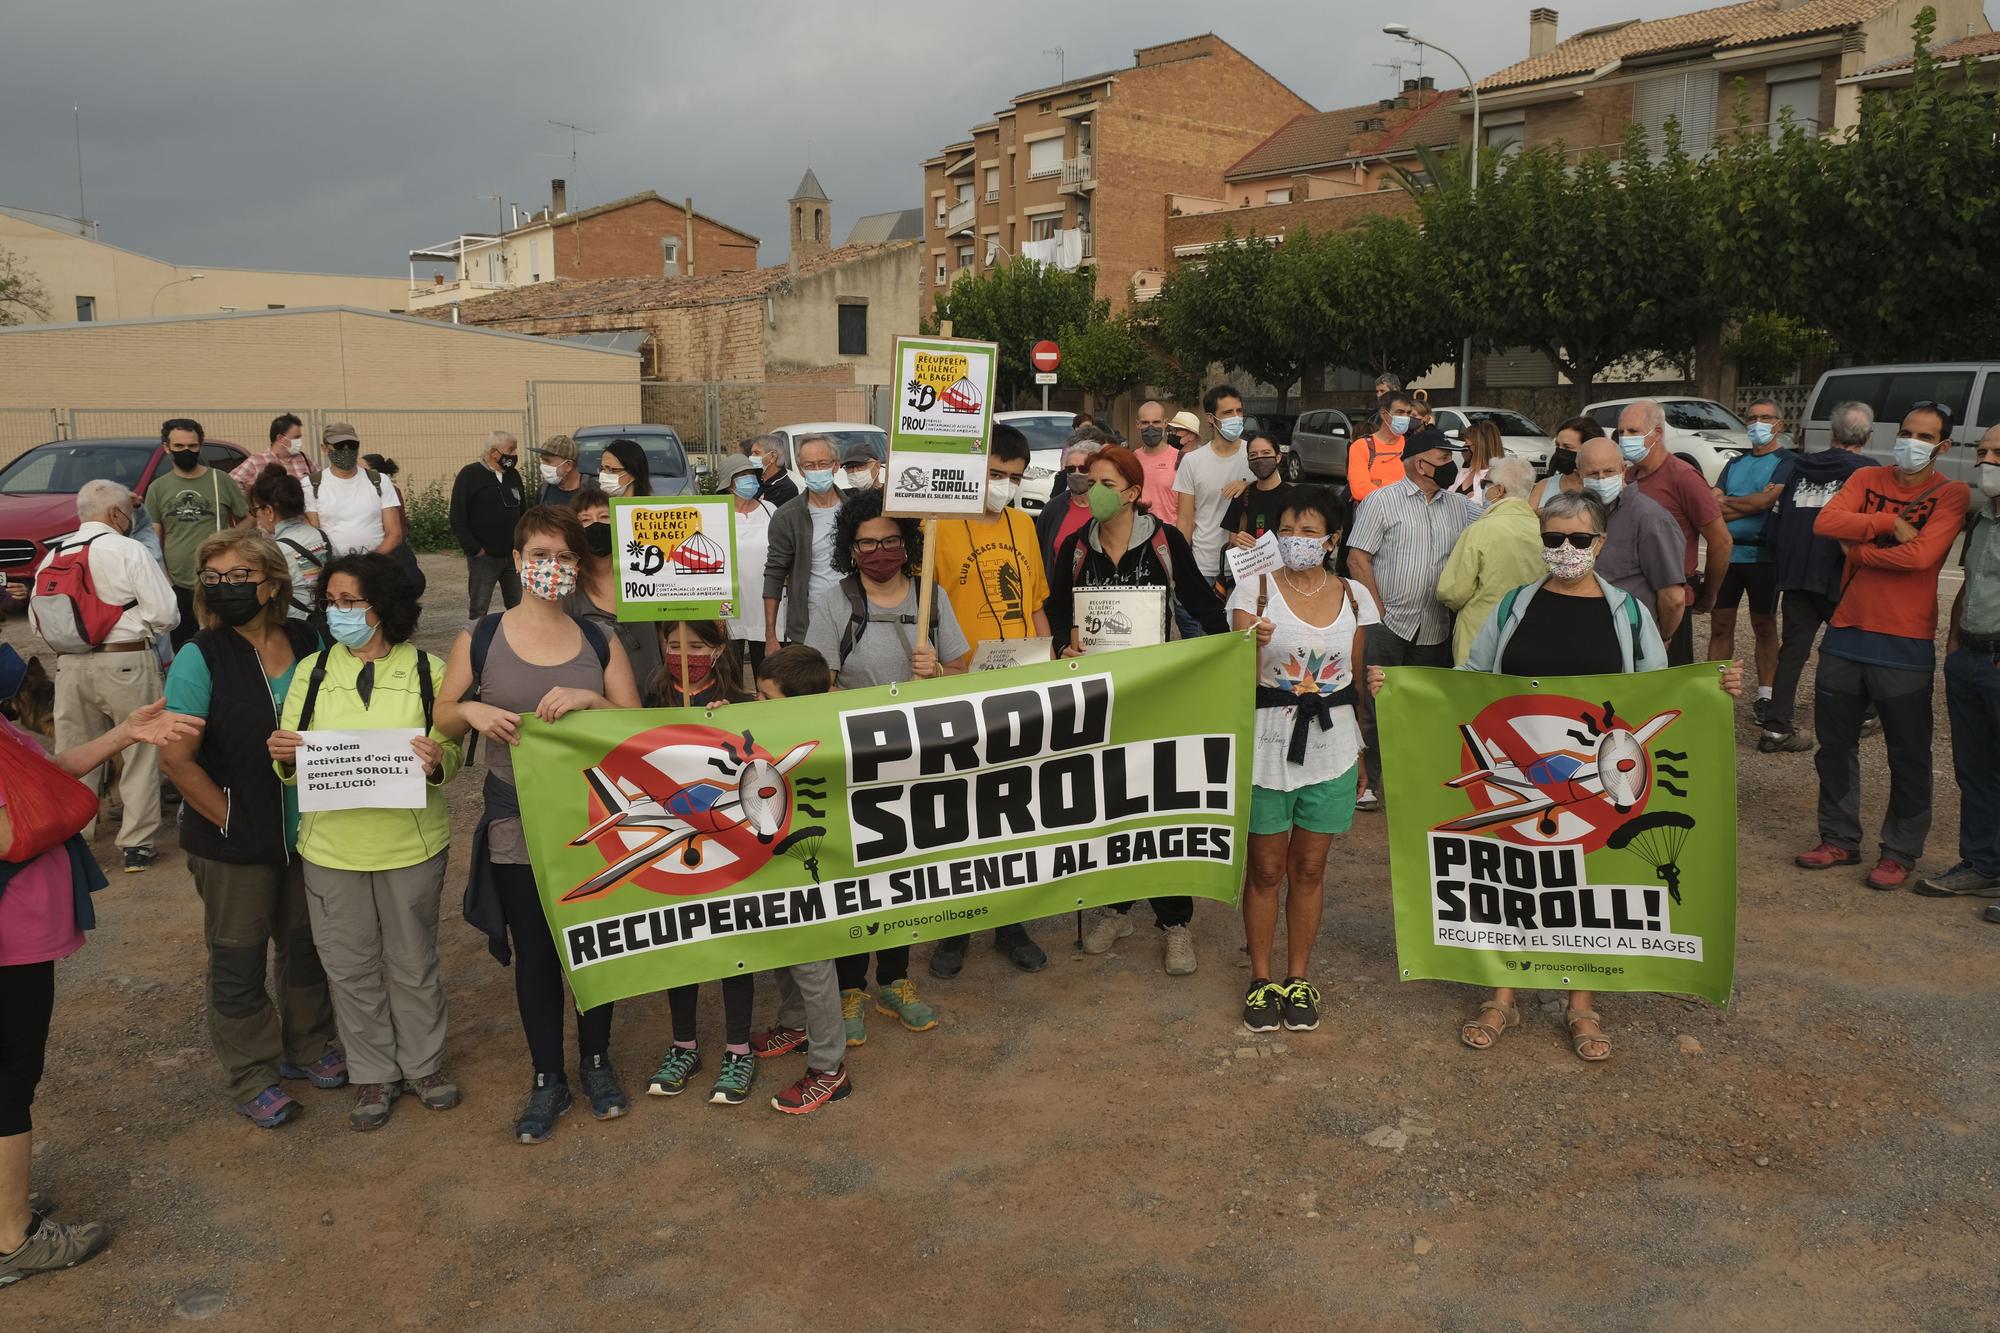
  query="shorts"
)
[
  {"x": 1318, "y": 807},
  {"x": 1760, "y": 580}
]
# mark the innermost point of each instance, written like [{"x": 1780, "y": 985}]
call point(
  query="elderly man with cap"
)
[
  {"x": 353, "y": 506},
  {"x": 1402, "y": 536},
  {"x": 485, "y": 505},
  {"x": 1183, "y": 433},
  {"x": 860, "y": 469},
  {"x": 560, "y": 479},
  {"x": 774, "y": 483}
]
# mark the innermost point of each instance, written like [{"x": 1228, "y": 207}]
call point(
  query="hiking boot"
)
[
  {"x": 371, "y": 1105},
  {"x": 600, "y": 1085},
  {"x": 51, "y": 1246},
  {"x": 899, "y": 1000},
  {"x": 851, "y": 1004},
  {"x": 776, "y": 1042},
  {"x": 1887, "y": 875},
  {"x": 329, "y": 1071},
  {"x": 1792, "y": 742},
  {"x": 548, "y": 1101},
  {"x": 1260, "y": 1007},
  {"x": 815, "y": 1090},
  {"x": 1178, "y": 944},
  {"x": 1961, "y": 881},
  {"x": 680, "y": 1064},
  {"x": 1299, "y": 1009},
  {"x": 1105, "y": 928},
  {"x": 136, "y": 859},
  {"x": 1021, "y": 951},
  {"x": 1826, "y": 856},
  {"x": 436, "y": 1091},
  {"x": 947, "y": 961},
  {"x": 270, "y": 1108},
  {"x": 732, "y": 1085},
  {"x": 1991, "y": 914}
]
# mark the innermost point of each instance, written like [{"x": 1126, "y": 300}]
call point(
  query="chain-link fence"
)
[
  {"x": 22, "y": 428},
  {"x": 429, "y": 445},
  {"x": 248, "y": 427}
]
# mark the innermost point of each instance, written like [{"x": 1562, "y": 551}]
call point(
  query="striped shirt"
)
[
  {"x": 251, "y": 468},
  {"x": 1410, "y": 538}
]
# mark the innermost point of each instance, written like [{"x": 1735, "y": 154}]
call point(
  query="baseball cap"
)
[
  {"x": 1425, "y": 440},
  {"x": 559, "y": 446},
  {"x": 339, "y": 432},
  {"x": 738, "y": 465},
  {"x": 856, "y": 451},
  {"x": 1186, "y": 421}
]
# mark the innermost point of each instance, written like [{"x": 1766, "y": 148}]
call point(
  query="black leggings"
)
[
  {"x": 737, "y": 994},
  {"x": 538, "y": 977},
  {"x": 27, "y": 998},
  {"x": 891, "y": 966}
]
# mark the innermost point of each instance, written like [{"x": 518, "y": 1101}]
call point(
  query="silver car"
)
[{"x": 1319, "y": 443}]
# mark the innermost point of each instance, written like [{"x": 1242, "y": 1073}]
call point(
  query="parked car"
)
[
  {"x": 840, "y": 433},
  {"x": 1890, "y": 391},
  {"x": 1320, "y": 441},
  {"x": 1519, "y": 437},
  {"x": 1700, "y": 431},
  {"x": 1048, "y": 433},
  {"x": 38, "y": 489},
  {"x": 666, "y": 457}
]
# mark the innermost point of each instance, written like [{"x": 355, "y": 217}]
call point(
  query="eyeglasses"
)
[
  {"x": 212, "y": 578},
  {"x": 567, "y": 559},
  {"x": 1580, "y": 540},
  {"x": 349, "y": 604},
  {"x": 870, "y": 545}
]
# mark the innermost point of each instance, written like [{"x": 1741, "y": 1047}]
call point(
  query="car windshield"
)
[
  {"x": 61, "y": 469},
  {"x": 1510, "y": 423},
  {"x": 1700, "y": 414},
  {"x": 664, "y": 455},
  {"x": 1050, "y": 432}
]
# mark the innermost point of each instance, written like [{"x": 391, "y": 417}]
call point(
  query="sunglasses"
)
[
  {"x": 1580, "y": 540},
  {"x": 1927, "y": 405}
]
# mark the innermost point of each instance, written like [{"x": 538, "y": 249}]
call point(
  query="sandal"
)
[
  {"x": 1510, "y": 1017},
  {"x": 1578, "y": 1040}
]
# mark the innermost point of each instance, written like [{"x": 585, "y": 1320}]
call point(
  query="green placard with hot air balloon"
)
[
  {"x": 942, "y": 424},
  {"x": 675, "y": 557},
  {"x": 1573, "y": 832}
]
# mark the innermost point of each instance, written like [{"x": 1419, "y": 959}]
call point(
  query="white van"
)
[{"x": 1971, "y": 389}]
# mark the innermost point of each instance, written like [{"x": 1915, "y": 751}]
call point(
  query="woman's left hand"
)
[
  {"x": 1731, "y": 680},
  {"x": 153, "y": 725},
  {"x": 924, "y": 662},
  {"x": 564, "y": 699},
  {"x": 1376, "y": 679},
  {"x": 430, "y": 752}
]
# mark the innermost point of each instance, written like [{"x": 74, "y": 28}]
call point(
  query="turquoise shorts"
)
[{"x": 1322, "y": 807}]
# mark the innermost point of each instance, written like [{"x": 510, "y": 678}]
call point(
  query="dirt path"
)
[{"x": 1099, "y": 1145}]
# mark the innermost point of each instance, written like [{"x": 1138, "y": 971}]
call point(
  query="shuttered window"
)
[{"x": 1688, "y": 99}]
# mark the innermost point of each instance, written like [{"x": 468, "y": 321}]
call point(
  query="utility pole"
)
[{"x": 77, "y": 113}]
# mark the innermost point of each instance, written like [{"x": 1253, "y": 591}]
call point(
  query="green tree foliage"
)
[
  {"x": 1766, "y": 347},
  {"x": 21, "y": 295},
  {"x": 1103, "y": 358},
  {"x": 1376, "y": 304},
  {"x": 1240, "y": 306},
  {"x": 1015, "y": 306}
]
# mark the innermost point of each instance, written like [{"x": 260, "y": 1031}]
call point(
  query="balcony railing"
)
[
  {"x": 993, "y": 196},
  {"x": 959, "y": 218},
  {"x": 1077, "y": 173},
  {"x": 1088, "y": 250}
]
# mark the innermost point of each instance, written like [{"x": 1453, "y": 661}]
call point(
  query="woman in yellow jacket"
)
[{"x": 1501, "y": 550}]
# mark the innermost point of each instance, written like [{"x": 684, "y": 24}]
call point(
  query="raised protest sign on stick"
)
[
  {"x": 674, "y": 845},
  {"x": 1570, "y": 832},
  {"x": 943, "y": 420},
  {"x": 675, "y": 557}
]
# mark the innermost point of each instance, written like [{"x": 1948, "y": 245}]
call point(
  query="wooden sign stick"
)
[{"x": 926, "y": 583}]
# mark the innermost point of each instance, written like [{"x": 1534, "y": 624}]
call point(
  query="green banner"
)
[
  {"x": 673, "y": 845},
  {"x": 1569, "y": 832}
]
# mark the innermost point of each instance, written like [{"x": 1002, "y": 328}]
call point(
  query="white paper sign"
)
[
  {"x": 1111, "y": 618},
  {"x": 360, "y": 770},
  {"x": 1259, "y": 557},
  {"x": 997, "y": 654}
]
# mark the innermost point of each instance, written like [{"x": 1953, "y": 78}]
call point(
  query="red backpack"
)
[{"x": 64, "y": 606}]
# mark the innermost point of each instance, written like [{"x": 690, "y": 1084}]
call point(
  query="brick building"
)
[{"x": 1074, "y": 174}]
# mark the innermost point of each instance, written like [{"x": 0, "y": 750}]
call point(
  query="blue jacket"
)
[
  {"x": 1805, "y": 561},
  {"x": 1639, "y": 641}
]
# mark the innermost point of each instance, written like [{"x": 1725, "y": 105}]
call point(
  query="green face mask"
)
[{"x": 1104, "y": 502}]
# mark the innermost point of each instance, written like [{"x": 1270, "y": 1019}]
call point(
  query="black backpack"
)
[
  {"x": 857, "y": 618},
  {"x": 482, "y": 645}
]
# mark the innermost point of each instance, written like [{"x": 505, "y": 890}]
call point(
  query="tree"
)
[
  {"x": 1104, "y": 359},
  {"x": 1376, "y": 304},
  {"x": 1015, "y": 306},
  {"x": 21, "y": 294},
  {"x": 1236, "y": 305}
]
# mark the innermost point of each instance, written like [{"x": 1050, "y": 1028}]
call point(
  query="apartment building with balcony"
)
[{"x": 1074, "y": 174}]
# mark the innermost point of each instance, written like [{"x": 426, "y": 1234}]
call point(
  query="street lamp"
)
[
  {"x": 154, "y": 308},
  {"x": 1401, "y": 32}
]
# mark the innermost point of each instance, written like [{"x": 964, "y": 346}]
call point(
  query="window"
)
[
  {"x": 670, "y": 255},
  {"x": 965, "y": 256},
  {"x": 1048, "y": 106},
  {"x": 1510, "y": 423},
  {"x": 1045, "y": 157},
  {"x": 942, "y": 275},
  {"x": 1044, "y": 228},
  {"x": 1800, "y": 97},
  {"x": 274, "y": 307},
  {"x": 86, "y": 309},
  {"x": 1501, "y": 140},
  {"x": 1989, "y": 402},
  {"x": 992, "y": 184},
  {"x": 853, "y": 329},
  {"x": 965, "y": 192},
  {"x": 1890, "y": 393},
  {"x": 1699, "y": 414},
  {"x": 1283, "y": 196},
  {"x": 535, "y": 260},
  {"x": 993, "y": 254},
  {"x": 1687, "y": 99}
]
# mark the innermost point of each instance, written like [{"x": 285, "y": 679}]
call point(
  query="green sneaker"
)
[
  {"x": 671, "y": 1078},
  {"x": 900, "y": 1001},
  {"x": 732, "y": 1085},
  {"x": 851, "y": 1002}
]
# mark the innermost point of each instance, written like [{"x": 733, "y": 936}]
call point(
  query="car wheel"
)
[{"x": 1293, "y": 466}]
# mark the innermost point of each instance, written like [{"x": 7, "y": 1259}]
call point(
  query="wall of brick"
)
[
  {"x": 626, "y": 243},
  {"x": 1336, "y": 214}
]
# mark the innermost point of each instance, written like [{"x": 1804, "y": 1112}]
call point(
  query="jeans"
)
[
  {"x": 1386, "y": 650},
  {"x": 1167, "y": 912},
  {"x": 1972, "y": 700},
  {"x": 538, "y": 978},
  {"x": 1903, "y": 698},
  {"x": 481, "y": 573},
  {"x": 1802, "y": 614}
]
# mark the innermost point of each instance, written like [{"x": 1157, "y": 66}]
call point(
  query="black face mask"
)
[
  {"x": 1152, "y": 434},
  {"x": 509, "y": 461},
  {"x": 344, "y": 456},
  {"x": 1445, "y": 476},
  {"x": 597, "y": 536},
  {"x": 234, "y": 604},
  {"x": 1563, "y": 462},
  {"x": 187, "y": 460}
]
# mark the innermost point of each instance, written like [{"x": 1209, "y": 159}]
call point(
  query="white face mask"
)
[
  {"x": 549, "y": 474},
  {"x": 1913, "y": 455},
  {"x": 1989, "y": 478},
  {"x": 1000, "y": 494},
  {"x": 610, "y": 485}
]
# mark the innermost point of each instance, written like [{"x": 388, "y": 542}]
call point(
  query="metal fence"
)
[
  {"x": 23, "y": 428},
  {"x": 428, "y": 445},
  {"x": 1790, "y": 398},
  {"x": 710, "y": 416}
]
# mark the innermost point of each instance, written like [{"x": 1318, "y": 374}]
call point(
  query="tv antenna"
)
[
  {"x": 499, "y": 213},
  {"x": 1395, "y": 68},
  {"x": 1057, "y": 52},
  {"x": 574, "y": 130}
]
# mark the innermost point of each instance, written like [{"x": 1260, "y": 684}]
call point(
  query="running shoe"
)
[
  {"x": 815, "y": 1090},
  {"x": 1260, "y": 1007},
  {"x": 732, "y": 1085},
  {"x": 671, "y": 1078},
  {"x": 548, "y": 1101},
  {"x": 1299, "y": 1008},
  {"x": 778, "y": 1041},
  {"x": 600, "y": 1085},
  {"x": 329, "y": 1071},
  {"x": 899, "y": 1001},
  {"x": 270, "y": 1108}
]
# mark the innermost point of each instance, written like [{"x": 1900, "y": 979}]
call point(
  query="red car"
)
[{"x": 38, "y": 489}]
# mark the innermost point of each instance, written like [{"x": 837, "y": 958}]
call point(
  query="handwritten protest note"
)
[{"x": 360, "y": 770}]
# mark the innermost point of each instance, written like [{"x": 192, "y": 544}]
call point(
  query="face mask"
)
[
  {"x": 881, "y": 566},
  {"x": 549, "y": 579},
  {"x": 1562, "y": 462},
  {"x": 1152, "y": 434},
  {"x": 746, "y": 485},
  {"x": 1445, "y": 476},
  {"x": 1606, "y": 489},
  {"x": 699, "y": 666},
  {"x": 344, "y": 456},
  {"x": 1104, "y": 503},
  {"x": 858, "y": 479},
  {"x": 1913, "y": 455},
  {"x": 1261, "y": 468},
  {"x": 1000, "y": 494},
  {"x": 1566, "y": 562},
  {"x": 1632, "y": 447},
  {"x": 1761, "y": 433},
  {"x": 819, "y": 480},
  {"x": 1302, "y": 553},
  {"x": 610, "y": 485},
  {"x": 549, "y": 474},
  {"x": 187, "y": 460},
  {"x": 509, "y": 461},
  {"x": 1989, "y": 478},
  {"x": 597, "y": 536},
  {"x": 1230, "y": 428},
  {"x": 1400, "y": 424},
  {"x": 350, "y": 626},
  {"x": 234, "y": 604},
  {"x": 1078, "y": 483}
]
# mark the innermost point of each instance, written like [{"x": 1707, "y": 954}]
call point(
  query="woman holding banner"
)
[
  {"x": 1312, "y": 629},
  {"x": 596, "y": 595},
  {"x": 1571, "y": 622},
  {"x": 373, "y": 876},
  {"x": 534, "y": 658}
]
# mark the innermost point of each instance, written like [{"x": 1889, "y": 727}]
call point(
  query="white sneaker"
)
[
  {"x": 1104, "y": 929},
  {"x": 1179, "y": 950},
  {"x": 1367, "y": 799}
]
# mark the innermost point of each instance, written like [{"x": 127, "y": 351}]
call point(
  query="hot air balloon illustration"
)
[{"x": 963, "y": 397}]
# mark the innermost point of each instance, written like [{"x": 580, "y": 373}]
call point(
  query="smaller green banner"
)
[{"x": 676, "y": 557}]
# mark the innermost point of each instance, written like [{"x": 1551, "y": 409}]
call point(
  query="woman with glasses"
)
[
  {"x": 1067, "y": 509},
  {"x": 373, "y": 876},
  {"x": 596, "y": 595},
  {"x": 239, "y": 825},
  {"x": 622, "y": 469},
  {"x": 1570, "y": 622},
  {"x": 865, "y": 626},
  {"x": 534, "y": 658},
  {"x": 278, "y": 508}
]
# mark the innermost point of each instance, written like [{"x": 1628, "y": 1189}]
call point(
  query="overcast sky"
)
[{"x": 338, "y": 137}]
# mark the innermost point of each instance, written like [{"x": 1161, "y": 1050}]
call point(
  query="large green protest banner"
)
[
  {"x": 1575, "y": 831},
  {"x": 673, "y": 845}
]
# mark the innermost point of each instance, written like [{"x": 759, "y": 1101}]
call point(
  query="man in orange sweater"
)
[
  {"x": 1898, "y": 524},
  {"x": 1376, "y": 460}
]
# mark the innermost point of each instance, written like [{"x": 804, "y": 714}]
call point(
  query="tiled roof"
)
[
  {"x": 1323, "y": 138},
  {"x": 563, "y": 297},
  {"x": 1728, "y": 26},
  {"x": 1984, "y": 44},
  {"x": 644, "y": 196}
]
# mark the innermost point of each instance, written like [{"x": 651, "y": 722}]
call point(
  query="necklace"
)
[{"x": 1316, "y": 590}]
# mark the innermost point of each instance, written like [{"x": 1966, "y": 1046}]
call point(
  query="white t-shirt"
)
[
  {"x": 350, "y": 510},
  {"x": 1203, "y": 473},
  {"x": 753, "y": 544},
  {"x": 1297, "y": 655},
  {"x": 824, "y": 576}
]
